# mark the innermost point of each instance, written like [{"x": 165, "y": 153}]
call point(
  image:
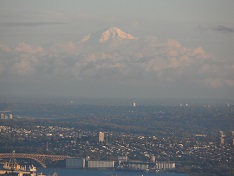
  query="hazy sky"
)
[{"x": 186, "y": 48}]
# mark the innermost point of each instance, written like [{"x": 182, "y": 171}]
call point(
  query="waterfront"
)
[{"x": 85, "y": 172}]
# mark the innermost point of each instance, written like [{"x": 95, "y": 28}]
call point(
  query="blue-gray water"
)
[{"x": 78, "y": 172}]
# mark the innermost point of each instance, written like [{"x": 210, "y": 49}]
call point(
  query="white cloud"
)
[
  {"x": 69, "y": 47},
  {"x": 144, "y": 59},
  {"x": 28, "y": 49},
  {"x": 24, "y": 67}
]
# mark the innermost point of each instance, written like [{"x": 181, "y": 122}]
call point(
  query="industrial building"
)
[
  {"x": 164, "y": 165},
  {"x": 100, "y": 164},
  {"x": 73, "y": 163},
  {"x": 138, "y": 166}
]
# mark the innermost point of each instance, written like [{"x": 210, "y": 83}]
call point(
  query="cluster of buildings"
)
[
  {"x": 224, "y": 139},
  {"x": 93, "y": 149},
  {"x": 121, "y": 164},
  {"x": 6, "y": 116}
]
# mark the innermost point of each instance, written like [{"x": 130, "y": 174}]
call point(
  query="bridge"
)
[{"x": 40, "y": 158}]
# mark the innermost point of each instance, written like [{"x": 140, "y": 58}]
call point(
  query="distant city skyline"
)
[{"x": 184, "y": 49}]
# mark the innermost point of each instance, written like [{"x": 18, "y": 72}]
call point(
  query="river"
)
[{"x": 86, "y": 172}]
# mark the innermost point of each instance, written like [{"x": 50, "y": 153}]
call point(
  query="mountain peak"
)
[
  {"x": 114, "y": 32},
  {"x": 108, "y": 34}
]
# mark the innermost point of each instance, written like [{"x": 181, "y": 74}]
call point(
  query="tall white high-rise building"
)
[
  {"x": 101, "y": 137},
  {"x": 222, "y": 140},
  {"x": 10, "y": 116},
  {"x": 2, "y": 116}
]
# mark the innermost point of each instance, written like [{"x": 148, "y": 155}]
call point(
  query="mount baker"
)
[{"x": 108, "y": 34}]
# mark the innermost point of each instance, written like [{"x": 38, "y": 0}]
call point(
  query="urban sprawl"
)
[{"x": 109, "y": 141}]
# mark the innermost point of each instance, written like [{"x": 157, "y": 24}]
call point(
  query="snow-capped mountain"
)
[{"x": 105, "y": 35}]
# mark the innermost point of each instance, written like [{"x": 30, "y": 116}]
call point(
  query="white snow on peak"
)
[
  {"x": 113, "y": 32},
  {"x": 107, "y": 34}
]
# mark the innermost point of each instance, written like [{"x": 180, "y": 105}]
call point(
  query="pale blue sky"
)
[
  {"x": 149, "y": 17},
  {"x": 171, "y": 10},
  {"x": 38, "y": 27}
]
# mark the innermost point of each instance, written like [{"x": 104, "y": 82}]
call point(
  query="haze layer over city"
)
[{"x": 159, "y": 49}]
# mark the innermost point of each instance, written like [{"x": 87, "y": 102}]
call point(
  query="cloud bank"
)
[{"x": 141, "y": 61}]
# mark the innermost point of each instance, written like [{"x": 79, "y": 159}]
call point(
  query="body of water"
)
[{"x": 86, "y": 172}]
